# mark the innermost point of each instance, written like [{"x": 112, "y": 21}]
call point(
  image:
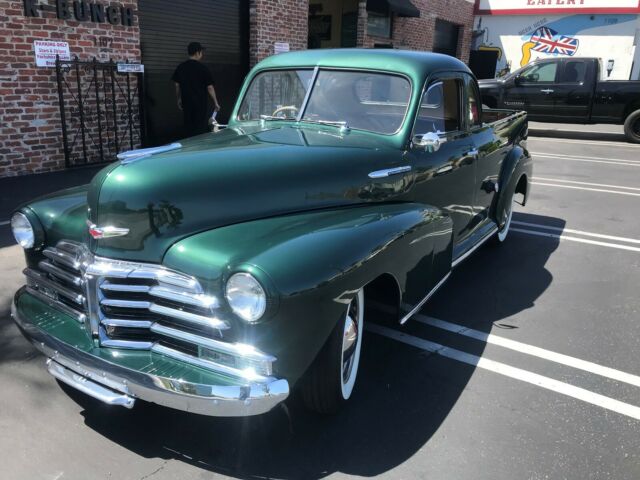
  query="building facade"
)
[
  {"x": 509, "y": 34},
  {"x": 97, "y": 100}
]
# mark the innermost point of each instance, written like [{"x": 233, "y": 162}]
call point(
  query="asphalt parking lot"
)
[{"x": 525, "y": 365}]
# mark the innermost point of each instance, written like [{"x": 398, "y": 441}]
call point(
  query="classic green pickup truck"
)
[{"x": 217, "y": 274}]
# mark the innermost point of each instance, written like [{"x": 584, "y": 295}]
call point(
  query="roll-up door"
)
[{"x": 166, "y": 28}]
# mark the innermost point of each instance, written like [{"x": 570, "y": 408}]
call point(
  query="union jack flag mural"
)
[{"x": 549, "y": 41}]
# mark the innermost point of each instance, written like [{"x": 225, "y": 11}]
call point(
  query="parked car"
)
[
  {"x": 567, "y": 90},
  {"x": 233, "y": 267}
]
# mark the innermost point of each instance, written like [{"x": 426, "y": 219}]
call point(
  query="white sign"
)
[
  {"x": 130, "y": 68},
  {"x": 280, "y": 47},
  {"x": 535, "y": 7},
  {"x": 46, "y": 52}
]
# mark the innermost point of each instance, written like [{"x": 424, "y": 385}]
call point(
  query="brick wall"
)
[
  {"x": 276, "y": 21},
  {"x": 30, "y": 127},
  {"x": 418, "y": 33}
]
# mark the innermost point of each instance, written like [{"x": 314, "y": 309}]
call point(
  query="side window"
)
[
  {"x": 473, "y": 104},
  {"x": 574, "y": 72},
  {"x": 543, "y": 73},
  {"x": 440, "y": 108}
]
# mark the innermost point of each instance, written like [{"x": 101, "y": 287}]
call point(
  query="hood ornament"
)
[{"x": 105, "y": 232}]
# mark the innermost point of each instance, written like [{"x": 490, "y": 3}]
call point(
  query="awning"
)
[{"x": 402, "y": 8}]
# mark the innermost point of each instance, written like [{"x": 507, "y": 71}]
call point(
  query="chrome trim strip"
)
[
  {"x": 462, "y": 257},
  {"x": 59, "y": 256},
  {"x": 389, "y": 172},
  {"x": 247, "y": 375},
  {"x": 201, "y": 320},
  {"x": 114, "y": 302},
  {"x": 66, "y": 309},
  {"x": 85, "y": 385},
  {"x": 121, "y": 322},
  {"x": 60, "y": 273},
  {"x": 211, "y": 322},
  {"x": 40, "y": 279},
  {"x": 424, "y": 300},
  {"x": 197, "y": 300},
  {"x": 106, "y": 341},
  {"x": 244, "y": 351},
  {"x": 305, "y": 100},
  {"x": 118, "y": 287}
]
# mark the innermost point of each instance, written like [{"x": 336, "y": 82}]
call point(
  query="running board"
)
[
  {"x": 466, "y": 254},
  {"x": 415, "y": 310}
]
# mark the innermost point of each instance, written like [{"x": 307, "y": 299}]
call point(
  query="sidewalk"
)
[{"x": 15, "y": 191}]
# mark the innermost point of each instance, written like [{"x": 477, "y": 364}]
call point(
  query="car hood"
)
[{"x": 236, "y": 175}]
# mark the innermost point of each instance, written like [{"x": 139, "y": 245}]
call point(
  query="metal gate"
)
[{"x": 100, "y": 110}]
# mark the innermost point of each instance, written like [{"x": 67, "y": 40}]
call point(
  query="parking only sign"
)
[{"x": 46, "y": 52}]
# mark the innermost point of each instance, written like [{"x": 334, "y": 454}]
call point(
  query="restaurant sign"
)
[
  {"x": 81, "y": 10},
  {"x": 551, "y": 7}
]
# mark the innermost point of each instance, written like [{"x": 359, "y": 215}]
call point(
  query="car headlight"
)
[
  {"x": 22, "y": 230},
  {"x": 246, "y": 297}
]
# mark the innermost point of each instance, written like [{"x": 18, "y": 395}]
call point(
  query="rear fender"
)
[
  {"x": 313, "y": 263},
  {"x": 517, "y": 164}
]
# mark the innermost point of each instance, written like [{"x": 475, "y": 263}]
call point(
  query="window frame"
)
[
  {"x": 317, "y": 70},
  {"x": 430, "y": 82},
  {"x": 525, "y": 83}
]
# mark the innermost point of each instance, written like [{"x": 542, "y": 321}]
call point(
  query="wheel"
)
[
  {"x": 632, "y": 127},
  {"x": 503, "y": 229},
  {"x": 330, "y": 380}
]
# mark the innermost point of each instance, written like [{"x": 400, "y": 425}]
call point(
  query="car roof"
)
[{"x": 417, "y": 65}]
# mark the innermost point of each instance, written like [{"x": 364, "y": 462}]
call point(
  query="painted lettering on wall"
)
[
  {"x": 82, "y": 11},
  {"x": 527, "y": 7}
]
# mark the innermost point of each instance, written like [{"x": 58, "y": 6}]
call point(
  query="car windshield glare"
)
[
  {"x": 375, "y": 102},
  {"x": 275, "y": 95}
]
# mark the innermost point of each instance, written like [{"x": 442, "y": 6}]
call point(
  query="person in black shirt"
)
[{"x": 193, "y": 84}]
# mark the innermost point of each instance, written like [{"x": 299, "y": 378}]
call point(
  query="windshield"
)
[{"x": 375, "y": 102}]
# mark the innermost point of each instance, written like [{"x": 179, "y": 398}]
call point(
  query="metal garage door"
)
[{"x": 166, "y": 28}]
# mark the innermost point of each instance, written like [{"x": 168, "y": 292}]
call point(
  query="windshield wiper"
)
[
  {"x": 335, "y": 123},
  {"x": 271, "y": 117}
]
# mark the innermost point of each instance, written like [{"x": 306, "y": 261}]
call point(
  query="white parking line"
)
[
  {"x": 558, "y": 180},
  {"x": 573, "y": 187},
  {"x": 585, "y": 157},
  {"x": 629, "y": 163},
  {"x": 531, "y": 350},
  {"x": 603, "y": 143},
  {"x": 509, "y": 371},
  {"x": 576, "y": 239},
  {"x": 579, "y": 232}
]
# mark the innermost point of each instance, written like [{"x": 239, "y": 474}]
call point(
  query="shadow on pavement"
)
[
  {"x": 402, "y": 397},
  {"x": 576, "y": 135}
]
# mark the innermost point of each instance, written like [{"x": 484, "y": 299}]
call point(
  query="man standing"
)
[{"x": 194, "y": 84}]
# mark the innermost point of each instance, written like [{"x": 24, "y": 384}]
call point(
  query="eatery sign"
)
[
  {"x": 81, "y": 11},
  {"x": 551, "y": 7}
]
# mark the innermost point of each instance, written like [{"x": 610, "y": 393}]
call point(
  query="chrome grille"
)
[{"x": 143, "y": 306}]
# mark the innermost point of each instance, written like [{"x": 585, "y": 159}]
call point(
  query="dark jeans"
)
[{"x": 195, "y": 124}]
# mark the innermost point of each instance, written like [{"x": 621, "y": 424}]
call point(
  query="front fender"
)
[
  {"x": 314, "y": 263},
  {"x": 516, "y": 164}
]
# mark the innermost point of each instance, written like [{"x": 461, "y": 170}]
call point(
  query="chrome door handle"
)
[
  {"x": 389, "y": 172},
  {"x": 547, "y": 91}
]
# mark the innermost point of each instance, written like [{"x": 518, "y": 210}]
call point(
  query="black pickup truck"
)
[{"x": 567, "y": 90}]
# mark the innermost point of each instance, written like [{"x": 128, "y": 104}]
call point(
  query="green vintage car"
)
[{"x": 218, "y": 274}]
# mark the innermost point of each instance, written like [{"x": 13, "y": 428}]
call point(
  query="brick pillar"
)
[
  {"x": 273, "y": 21},
  {"x": 361, "y": 40}
]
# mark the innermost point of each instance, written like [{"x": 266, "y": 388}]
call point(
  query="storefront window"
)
[{"x": 379, "y": 25}]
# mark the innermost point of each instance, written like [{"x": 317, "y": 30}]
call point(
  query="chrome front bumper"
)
[{"x": 118, "y": 385}]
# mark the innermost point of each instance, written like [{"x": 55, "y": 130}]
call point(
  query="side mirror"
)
[
  {"x": 431, "y": 142},
  {"x": 518, "y": 80}
]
